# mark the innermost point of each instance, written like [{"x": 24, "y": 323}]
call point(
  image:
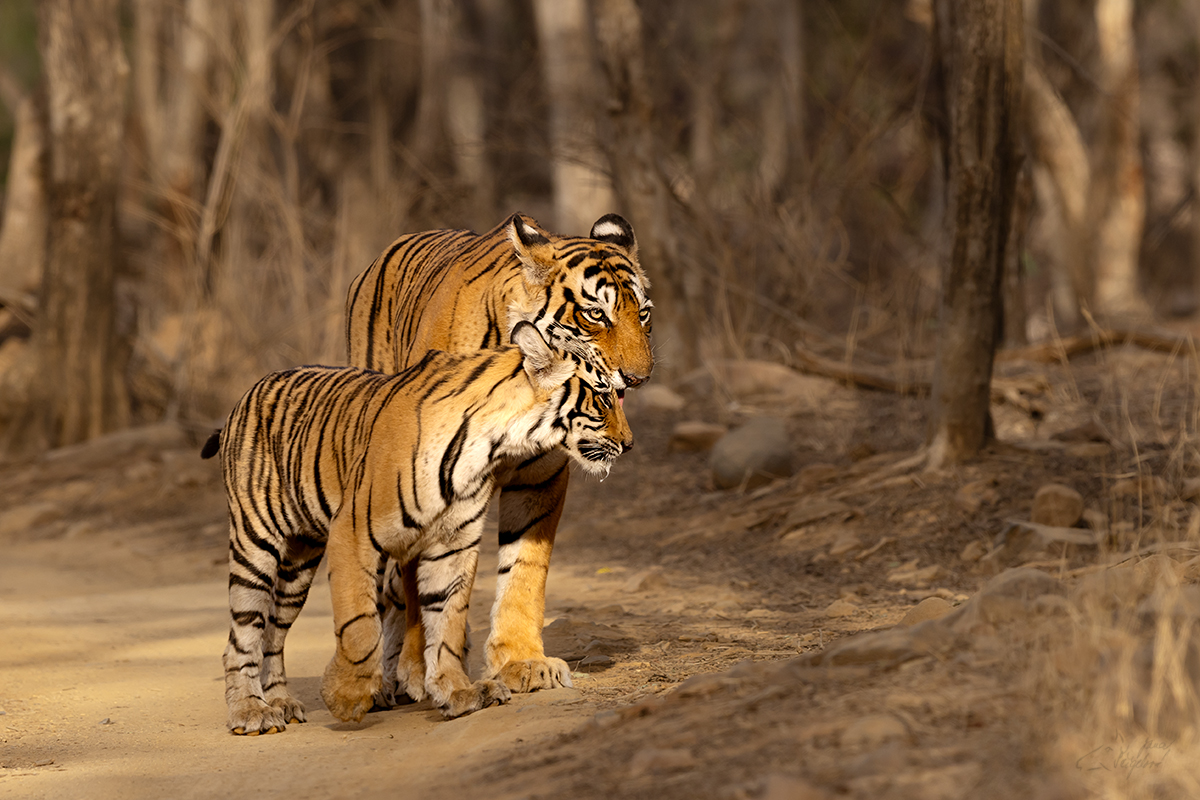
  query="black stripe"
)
[
  {"x": 508, "y": 537},
  {"x": 450, "y": 460}
]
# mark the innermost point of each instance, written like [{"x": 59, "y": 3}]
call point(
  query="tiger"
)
[
  {"x": 357, "y": 463},
  {"x": 458, "y": 291}
]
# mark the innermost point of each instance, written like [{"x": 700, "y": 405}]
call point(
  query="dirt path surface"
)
[{"x": 857, "y": 630}]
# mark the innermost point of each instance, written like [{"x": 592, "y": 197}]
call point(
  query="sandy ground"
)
[{"x": 695, "y": 621}]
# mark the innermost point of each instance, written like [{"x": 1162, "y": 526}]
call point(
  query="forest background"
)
[{"x": 220, "y": 170}]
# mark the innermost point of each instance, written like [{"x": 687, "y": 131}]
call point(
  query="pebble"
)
[
  {"x": 973, "y": 552},
  {"x": 911, "y": 576},
  {"x": 695, "y": 436},
  {"x": 1057, "y": 505},
  {"x": 840, "y": 608},
  {"x": 974, "y": 495},
  {"x": 929, "y": 608},
  {"x": 596, "y": 660},
  {"x": 752, "y": 455},
  {"x": 657, "y": 397}
]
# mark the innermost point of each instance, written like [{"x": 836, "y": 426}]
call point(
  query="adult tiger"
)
[
  {"x": 361, "y": 463},
  {"x": 458, "y": 291}
]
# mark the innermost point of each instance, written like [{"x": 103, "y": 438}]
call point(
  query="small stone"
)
[
  {"x": 646, "y": 580},
  {"x": 910, "y": 575},
  {"x": 973, "y": 552},
  {"x": 929, "y": 608},
  {"x": 840, "y": 608},
  {"x": 695, "y": 436},
  {"x": 43, "y": 762},
  {"x": 596, "y": 660},
  {"x": 652, "y": 760},
  {"x": 657, "y": 397},
  {"x": 752, "y": 455},
  {"x": 976, "y": 494},
  {"x": 106, "y": 721},
  {"x": 847, "y": 542},
  {"x": 874, "y": 730},
  {"x": 1057, "y": 505},
  {"x": 1191, "y": 489}
]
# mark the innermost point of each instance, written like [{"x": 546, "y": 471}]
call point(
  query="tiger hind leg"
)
[
  {"x": 393, "y": 613},
  {"x": 291, "y": 590},
  {"x": 531, "y": 502},
  {"x": 253, "y": 567},
  {"x": 354, "y": 676}
]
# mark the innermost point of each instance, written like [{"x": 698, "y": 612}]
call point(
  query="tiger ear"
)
[
  {"x": 547, "y": 370},
  {"x": 615, "y": 229},
  {"x": 533, "y": 248}
]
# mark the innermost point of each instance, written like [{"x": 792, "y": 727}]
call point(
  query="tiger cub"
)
[{"x": 365, "y": 464}]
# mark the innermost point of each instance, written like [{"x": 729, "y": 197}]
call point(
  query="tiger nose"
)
[
  {"x": 627, "y": 445},
  {"x": 633, "y": 381}
]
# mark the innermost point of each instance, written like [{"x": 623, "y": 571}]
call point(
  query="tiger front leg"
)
[
  {"x": 531, "y": 504},
  {"x": 444, "y": 580},
  {"x": 354, "y": 674}
]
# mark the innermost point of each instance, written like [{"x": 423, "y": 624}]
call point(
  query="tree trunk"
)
[
  {"x": 1118, "y": 208},
  {"x": 978, "y": 45},
  {"x": 643, "y": 189},
  {"x": 80, "y": 391},
  {"x": 23, "y": 233},
  {"x": 582, "y": 190}
]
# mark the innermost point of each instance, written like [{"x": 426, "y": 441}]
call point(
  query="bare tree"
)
[
  {"x": 80, "y": 390},
  {"x": 582, "y": 190},
  {"x": 1118, "y": 206},
  {"x": 23, "y": 233},
  {"x": 641, "y": 186},
  {"x": 978, "y": 45}
]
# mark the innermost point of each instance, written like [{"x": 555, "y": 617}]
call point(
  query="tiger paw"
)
[
  {"x": 410, "y": 677},
  {"x": 535, "y": 673},
  {"x": 251, "y": 716},
  {"x": 291, "y": 708},
  {"x": 349, "y": 693},
  {"x": 478, "y": 695}
]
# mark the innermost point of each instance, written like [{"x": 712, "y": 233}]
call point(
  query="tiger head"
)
[
  {"x": 594, "y": 288},
  {"x": 583, "y": 412}
]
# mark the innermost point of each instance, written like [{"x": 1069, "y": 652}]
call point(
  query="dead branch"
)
[{"x": 1159, "y": 341}]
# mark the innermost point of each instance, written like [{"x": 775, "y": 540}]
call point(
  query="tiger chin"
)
[{"x": 364, "y": 466}]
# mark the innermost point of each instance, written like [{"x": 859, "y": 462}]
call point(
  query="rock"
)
[
  {"x": 973, "y": 552},
  {"x": 1012, "y": 594},
  {"x": 748, "y": 378},
  {"x": 885, "y": 648},
  {"x": 847, "y": 542},
  {"x": 652, "y": 760},
  {"x": 874, "y": 730},
  {"x": 571, "y": 640},
  {"x": 1191, "y": 489},
  {"x": 840, "y": 608},
  {"x": 752, "y": 455},
  {"x": 910, "y": 575},
  {"x": 1057, "y": 505},
  {"x": 657, "y": 397},
  {"x": 974, "y": 495},
  {"x": 647, "y": 580},
  {"x": 695, "y": 435},
  {"x": 929, "y": 608},
  {"x": 596, "y": 660}
]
